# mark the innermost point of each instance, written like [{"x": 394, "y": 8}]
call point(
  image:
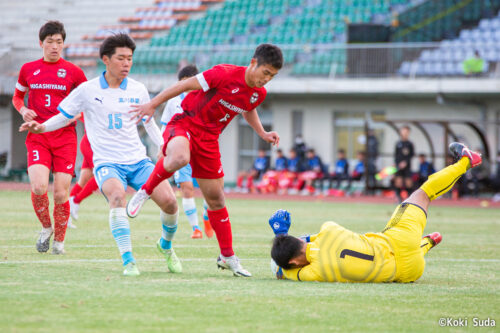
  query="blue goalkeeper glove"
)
[{"x": 280, "y": 222}]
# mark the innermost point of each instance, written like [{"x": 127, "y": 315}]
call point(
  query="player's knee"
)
[
  {"x": 175, "y": 162},
  {"x": 216, "y": 203},
  {"x": 39, "y": 189},
  {"x": 61, "y": 196},
  {"x": 117, "y": 199},
  {"x": 169, "y": 205}
]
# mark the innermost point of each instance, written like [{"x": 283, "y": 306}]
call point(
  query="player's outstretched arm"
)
[
  {"x": 253, "y": 120},
  {"x": 50, "y": 125},
  {"x": 148, "y": 109}
]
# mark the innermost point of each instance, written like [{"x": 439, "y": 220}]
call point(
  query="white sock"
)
[
  {"x": 189, "y": 206},
  {"x": 205, "y": 207},
  {"x": 120, "y": 228},
  {"x": 169, "y": 227}
]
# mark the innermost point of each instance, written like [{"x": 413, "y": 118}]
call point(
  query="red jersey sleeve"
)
[
  {"x": 20, "y": 90},
  {"x": 212, "y": 78},
  {"x": 21, "y": 84},
  {"x": 79, "y": 77}
]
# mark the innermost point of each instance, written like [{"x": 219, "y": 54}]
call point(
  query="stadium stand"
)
[
  {"x": 447, "y": 59},
  {"x": 81, "y": 17}
]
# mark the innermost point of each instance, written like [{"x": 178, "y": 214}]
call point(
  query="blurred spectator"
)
[
  {"x": 359, "y": 168},
  {"x": 300, "y": 149},
  {"x": 281, "y": 162},
  {"x": 403, "y": 154},
  {"x": 426, "y": 169},
  {"x": 314, "y": 172},
  {"x": 341, "y": 171},
  {"x": 473, "y": 65},
  {"x": 260, "y": 166},
  {"x": 270, "y": 179},
  {"x": 287, "y": 177},
  {"x": 371, "y": 158}
]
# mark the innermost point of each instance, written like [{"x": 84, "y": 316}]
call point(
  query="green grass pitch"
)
[{"x": 84, "y": 290}]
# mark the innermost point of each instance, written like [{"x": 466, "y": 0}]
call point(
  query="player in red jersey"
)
[
  {"x": 48, "y": 81},
  {"x": 219, "y": 94}
]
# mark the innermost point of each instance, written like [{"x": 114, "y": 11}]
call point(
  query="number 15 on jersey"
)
[{"x": 115, "y": 121}]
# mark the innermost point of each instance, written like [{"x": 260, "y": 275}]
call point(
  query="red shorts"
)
[
  {"x": 56, "y": 150},
  {"x": 87, "y": 153},
  {"x": 204, "y": 147}
]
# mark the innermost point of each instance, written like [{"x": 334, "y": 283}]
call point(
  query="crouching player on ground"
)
[{"x": 394, "y": 255}]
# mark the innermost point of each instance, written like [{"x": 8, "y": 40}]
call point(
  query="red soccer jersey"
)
[
  {"x": 225, "y": 94},
  {"x": 48, "y": 84}
]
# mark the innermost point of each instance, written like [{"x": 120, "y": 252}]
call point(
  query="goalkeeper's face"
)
[{"x": 289, "y": 252}]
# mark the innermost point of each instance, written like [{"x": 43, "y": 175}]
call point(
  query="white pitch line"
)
[
  {"x": 69, "y": 261},
  {"x": 114, "y": 246}
]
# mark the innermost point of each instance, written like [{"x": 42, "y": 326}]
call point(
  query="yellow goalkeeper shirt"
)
[{"x": 340, "y": 255}]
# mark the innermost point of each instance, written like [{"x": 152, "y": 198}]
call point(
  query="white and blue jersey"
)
[
  {"x": 111, "y": 129},
  {"x": 172, "y": 108}
]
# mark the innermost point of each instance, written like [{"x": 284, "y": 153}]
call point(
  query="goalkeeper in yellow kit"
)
[{"x": 396, "y": 254}]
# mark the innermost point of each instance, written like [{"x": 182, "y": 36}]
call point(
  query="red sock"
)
[
  {"x": 87, "y": 190},
  {"x": 61, "y": 216},
  {"x": 41, "y": 206},
  {"x": 75, "y": 190},
  {"x": 158, "y": 175},
  {"x": 219, "y": 219},
  {"x": 249, "y": 182},
  {"x": 239, "y": 182}
]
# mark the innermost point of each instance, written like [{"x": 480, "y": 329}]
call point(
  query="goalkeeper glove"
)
[{"x": 280, "y": 222}]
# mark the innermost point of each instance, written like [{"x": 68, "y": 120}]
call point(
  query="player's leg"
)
[
  {"x": 112, "y": 184},
  {"x": 39, "y": 182},
  {"x": 64, "y": 148},
  {"x": 429, "y": 241},
  {"x": 442, "y": 181},
  {"x": 177, "y": 155},
  {"x": 85, "y": 186},
  {"x": 213, "y": 191},
  {"x": 209, "y": 231},
  {"x": 62, "y": 182},
  {"x": 164, "y": 197},
  {"x": 189, "y": 206}
]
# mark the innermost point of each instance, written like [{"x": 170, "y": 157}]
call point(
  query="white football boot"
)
[
  {"x": 43, "y": 242},
  {"x": 233, "y": 264},
  {"x": 136, "y": 202}
]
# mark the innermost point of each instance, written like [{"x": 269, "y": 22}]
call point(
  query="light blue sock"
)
[
  {"x": 189, "y": 206},
  {"x": 205, "y": 207},
  {"x": 169, "y": 227},
  {"x": 120, "y": 228}
]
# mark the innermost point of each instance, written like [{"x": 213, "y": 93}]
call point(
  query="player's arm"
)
[
  {"x": 153, "y": 132},
  {"x": 148, "y": 109},
  {"x": 305, "y": 273},
  {"x": 69, "y": 108},
  {"x": 54, "y": 123},
  {"x": 18, "y": 98},
  {"x": 252, "y": 118}
]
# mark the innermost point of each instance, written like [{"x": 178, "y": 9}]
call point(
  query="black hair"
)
[
  {"x": 187, "y": 71},
  {"x": 279, "y": 151},
  {"x": 109, "y": 45},
  {"x": 422, "y": 155},
  {"x": 341, "y": 151},
  {"x": 285, "y": 248},
  {"x": 405, "y": 126},
  {"x": 268, "y": 54},
  {"x": 51, "y": 28}
]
